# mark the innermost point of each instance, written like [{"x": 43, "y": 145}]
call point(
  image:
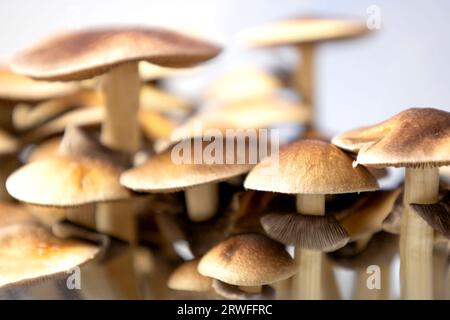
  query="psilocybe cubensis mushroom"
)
[
  {"x": 195, "y": 166},
  {"x": 417, "y": 139},
  {"x": 309, "y": 169},
  {"x": 243, "y": 265},
  {"x": 29, "y": 252},
  {"x": 305, "y": 33}
]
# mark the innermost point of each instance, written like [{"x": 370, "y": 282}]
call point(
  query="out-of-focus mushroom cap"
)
[{"x": 83, "y": 54}]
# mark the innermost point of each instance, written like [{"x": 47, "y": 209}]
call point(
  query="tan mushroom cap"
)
[
  {"x": 66, "y": 181},
  {"x": 8, "y": 144},
  {"x": 161, "y": 173},
  {"x": 30, "y": 252},
  {"x": 303, "y": 30},
  {"x": 414, "y": 137},
  {"x": 45, "y": 149},
  {"x": 16, "y": 88},
  {"x": 366, "y": 216},
  {"x": 84, "y": 54},
  {"x": 186, "y": 277},
  {"x": 247, "y": 260},
  {"x": 243, "y": 83},
  {"x": 251, "y": 114},
  {"x": 311, "y": 167},
  {"x": 154, "y": 99}
]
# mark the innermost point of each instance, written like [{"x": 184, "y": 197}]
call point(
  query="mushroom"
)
[
  {"x": 80, "y": 174},
  {"x": 310, "y": 169},
  {"x": 187, "y": 278},
  {"x": 9, "y": 147},
  {"x": 29, "y": 252},
  {"x": 304, "y": 33},
  {"x": 195, "y": 175},
  {"x": 114, "y": 52},
  {"x": 417, "y": 139},
  {"x": 245, "y": 264}
]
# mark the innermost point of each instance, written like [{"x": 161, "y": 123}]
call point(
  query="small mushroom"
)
[
  {"x": 310, "y": 169},
  {"x": 417, "y": 139},
  {"x": 186, "y": 277},
  {"x": 248, "y": 262}
]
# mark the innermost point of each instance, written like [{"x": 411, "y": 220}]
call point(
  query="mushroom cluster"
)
[{"x": 156, "y": 196}]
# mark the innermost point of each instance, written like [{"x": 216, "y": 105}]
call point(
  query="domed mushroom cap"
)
[
  {"x": 30, "y": 252},
  {"x": 310, "y": 167},
  {"x": 176, "y": 169},
  {"x": 414, "y": 137},
  {"x": 303, "y": 30},
  {"x": 247, "y": 260},
  {"x": 66, "y": 181},
  {"x": 186, "y": 277},
  {"x": 16, "y": 88},
  {"x": 84, "y": 54}
]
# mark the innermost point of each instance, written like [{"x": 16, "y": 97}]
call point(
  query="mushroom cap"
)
[
  {"x": 250, "y": 114},
  {"x": 154, "y": 99},
  {"x": 367, "y": 215},
  {"x": 84, "y": 54},
  {"x": 16, "y": 88},
  {"x": 30, "y": 252},
  {"x": 247, "y": 260},
  {"x": 66, "y": 181},
  {"x": 241, "y": 84},
  {"x": 161, "y": 173},
  {"x": 414, "y": 137},
  {"x": 186, "y": 277},
  {"x": 310, "y": 167},
  {"x": 45, "y": 149},
  {"x": 303, "y": 30}
]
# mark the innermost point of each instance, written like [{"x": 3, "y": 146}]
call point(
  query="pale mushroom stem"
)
[
  {"x": 202, "y": 201},
  {"x": 416, "y": 236},
  {"x": 251, "y": 289},
  {"x": 121, "y": 87},
  {"x": 308, "y": 281},
  {"x": 304, "y": 78}
]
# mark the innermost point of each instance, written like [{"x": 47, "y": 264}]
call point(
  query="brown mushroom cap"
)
[
  {"x": 84, "y": 54},
  {"x": 247, "y": 260},
  {"x": 414, "y": 137},
  {"x": 161, "y": 174},
  {"x": 366, "y": 216},
  {"x": 66, "y": 181},
  {"x": 303, "y": 30},
  {"x": 30, "y": 252},
  {"x": 16, "y": 88},
  {"x": 311, "y": 167},
  {"x": 186, "y": 277}
]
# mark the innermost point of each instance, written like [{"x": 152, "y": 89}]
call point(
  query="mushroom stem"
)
[
  {"x": 250, "y": 289},
  {"x": 120, "y": 128},
  {"x": 304, "y": 78},
  {"x": 416, "y": 236},
  {"x": 202, "y": 201},
  {"x": 117, "y": 219},
  {"x": 308, "y": 281}
]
